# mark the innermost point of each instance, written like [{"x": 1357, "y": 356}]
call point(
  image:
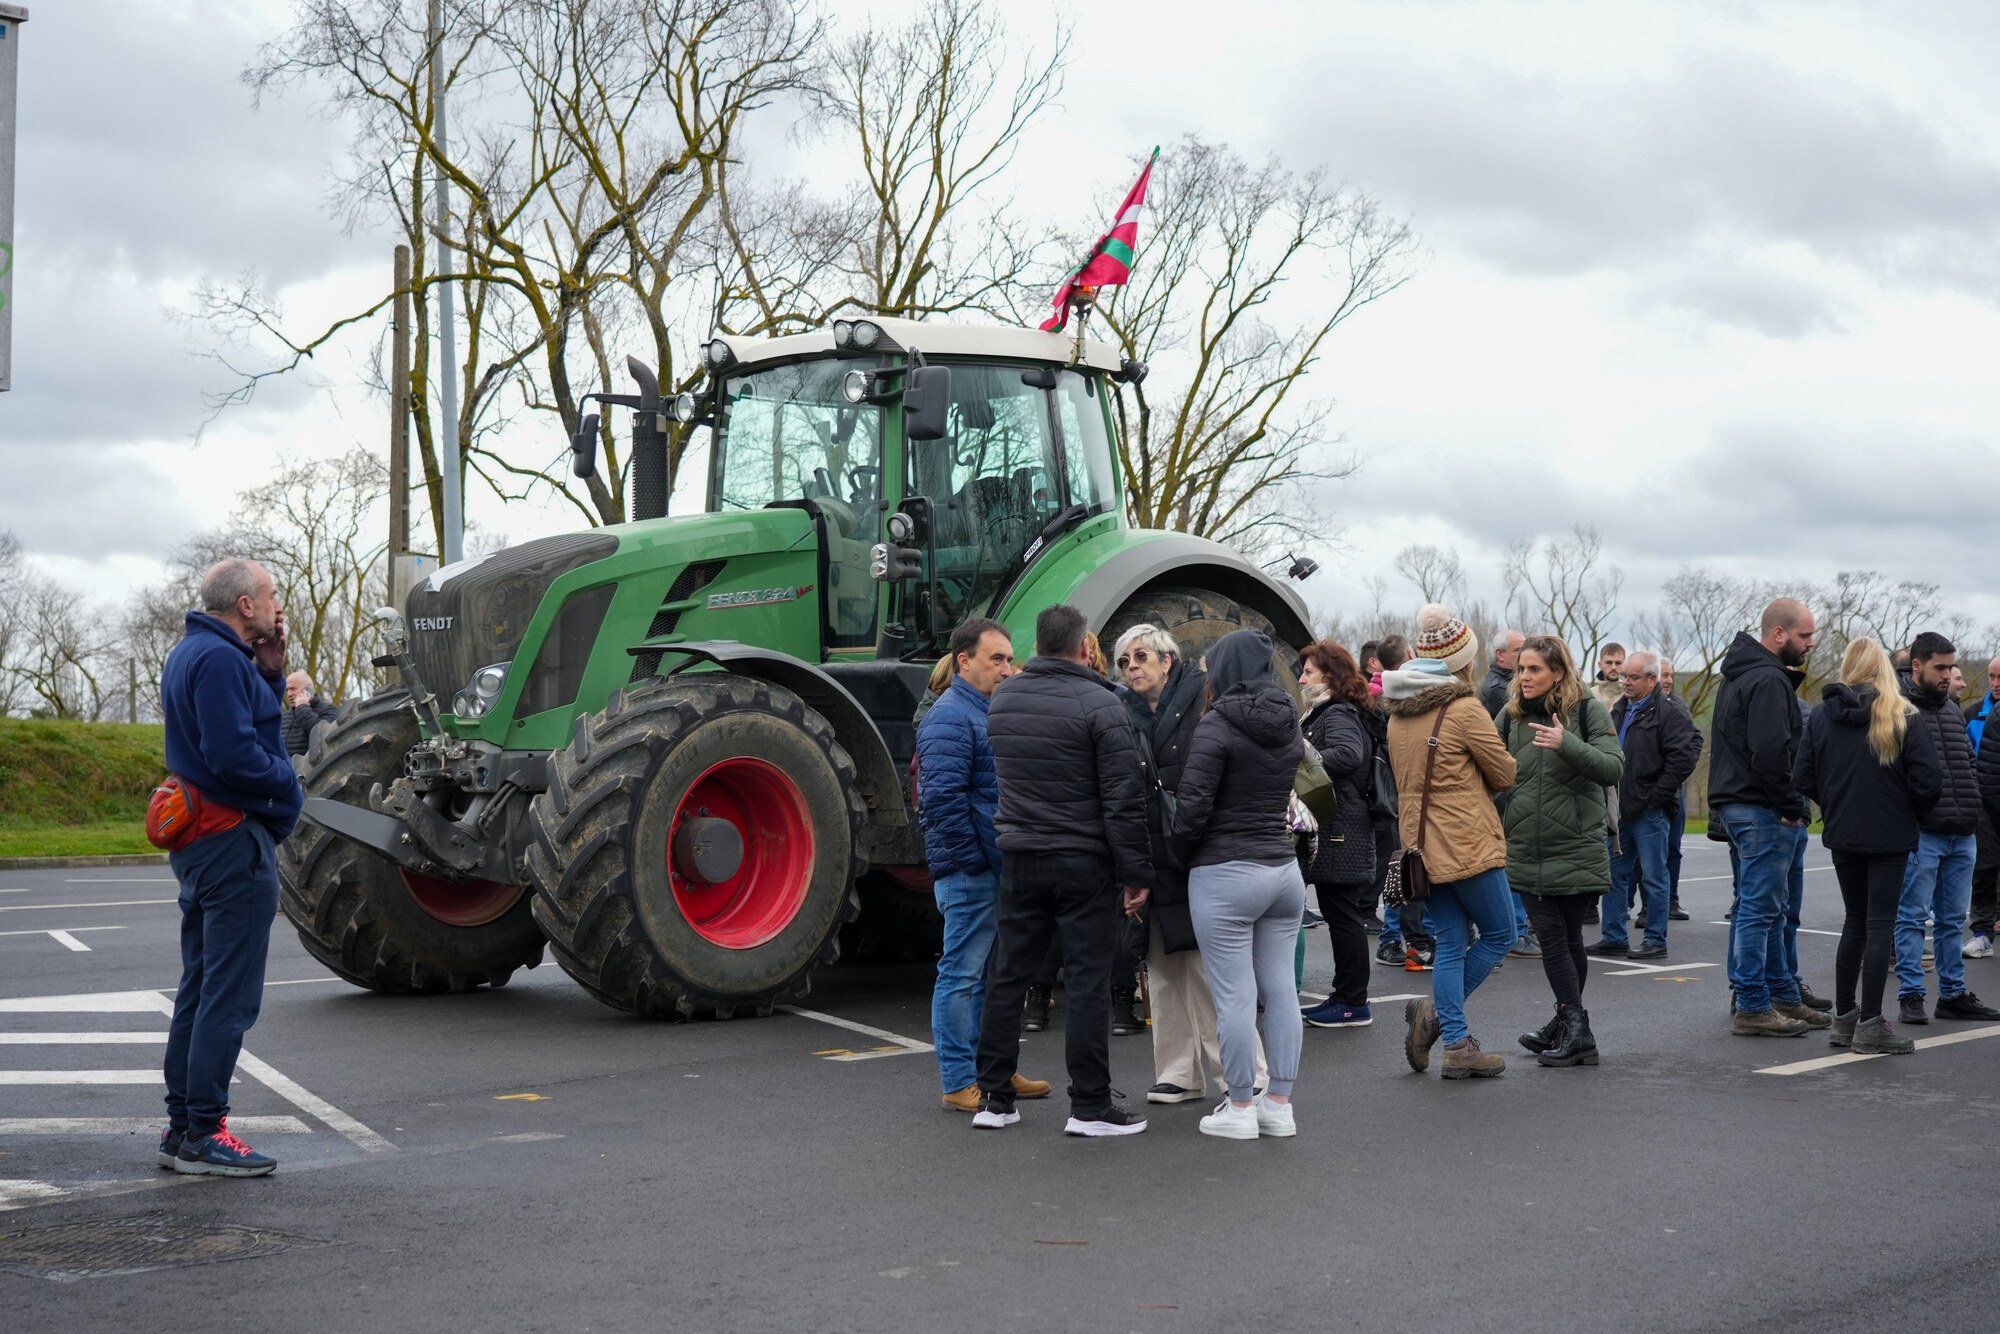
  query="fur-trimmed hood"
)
[{"x": 1425, "y": 700}]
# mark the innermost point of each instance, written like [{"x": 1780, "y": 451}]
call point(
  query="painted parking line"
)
[
  {"x": 898, "y": 1045},
  {"x": 1626, "y": 968},
  {"x": 1804, "y": 930},
  {"x": 79, "y": 1039},
  {"x": 63, "y": 937},
  {"x": 17, "y": 1078},
  {"x": 1852, "y": 1057},
  {"x": 59, "y": 907},
  {"x": 84, "y": 1126},
  {"x": 121, "y": 880},
  {"x": 1698, "y": 879}
]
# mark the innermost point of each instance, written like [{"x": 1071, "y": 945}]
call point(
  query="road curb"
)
[{"x": 58, "y": 863}]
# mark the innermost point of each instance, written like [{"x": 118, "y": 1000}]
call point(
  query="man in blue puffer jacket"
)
[
  {"x": 219, "y": 694},
  {"x": 958, "y": 791}
]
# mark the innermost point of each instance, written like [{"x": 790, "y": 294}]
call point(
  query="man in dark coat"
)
[
  {"x": 1072, "y": 830},
  {"x": 1661, "y": 745},
  {"x": 1500, "y": 676},
  {"x": 1938, "y": 881},
  {"x": 304, "y": 711},
  {"x": 1986, "y": 869},
  {"x": 1750, "y": 791}
]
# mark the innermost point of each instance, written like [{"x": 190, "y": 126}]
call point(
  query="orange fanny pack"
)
[{"x": 177, "y": 815}]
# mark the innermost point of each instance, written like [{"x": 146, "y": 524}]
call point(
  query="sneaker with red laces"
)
[
  {"x": 170, "y": 1146},
  {"x": 1416, "y": 960},
  {"x": 221, "y": 1154}
]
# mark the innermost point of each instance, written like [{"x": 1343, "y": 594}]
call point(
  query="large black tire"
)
[
  {"x": 600, "y": 855},
  {"x": 354, "y": 911},
  {"x": 1196, "y": 618}
]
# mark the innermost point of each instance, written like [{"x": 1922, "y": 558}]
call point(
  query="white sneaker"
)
[
  {"x": 987, "y": 1119},
  {"x": 1275, "y": 1119},
  {"x": 1228, "y": 1121},
  {"x": 1979, "y": 947}
]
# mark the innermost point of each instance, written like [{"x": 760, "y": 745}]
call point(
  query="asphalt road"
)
[{"x": 530, "y": 1159}]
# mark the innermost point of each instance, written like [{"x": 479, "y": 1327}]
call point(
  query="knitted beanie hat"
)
[{"x": 1442, "y": 635}]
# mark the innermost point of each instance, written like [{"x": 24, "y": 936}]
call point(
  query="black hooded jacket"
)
[
  {"x": 1242, "y": 763},
  {"x": 1170, "y": 730},
  {"x": 1071, "y": 780},
  {"x": 1756, "y": 731},
  {"x": 1870, "y": 807},
  {"x": 1957, "y": 811}
]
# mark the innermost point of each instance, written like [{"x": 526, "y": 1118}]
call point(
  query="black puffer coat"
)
[
  {"x": 1170, "y": 729},
  {"x": 1070, "y": 773},
  {"x": 1346, "y": 851},
  {"x": 1870, "y": 807},
  {"x": 1243, "y": 762},
  {"x": 1755, "y": 735},
  {"x": 1957, "y": 811}
]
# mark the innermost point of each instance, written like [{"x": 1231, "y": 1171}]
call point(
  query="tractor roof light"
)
[
  {"x": 1130, "y": 372},
  {"x": 867, "y": 334},
  {"x": 718, "y": 355},
  {"x": 843, "y": 334}
]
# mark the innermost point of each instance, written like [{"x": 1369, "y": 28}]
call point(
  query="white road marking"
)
[
  {"x": 1804, "y": 930},
  {"x": 48, "y": 907},
  {"x": 78, "y": 1039},
  {"x": 1626, "y": 968},
  {"x": 16, "y": 1078},
  {"x": 101, "y": 1002},
  {"x": 1851, "y": 1057},
  {"x": 69, "y": 942},
  {"x": 909, "y": 1045},
  {"x": 121, "y": 880},
  {"x": 14, "y": 1194},
  {"x": 359, "y": 1135},
  {"x": 77, "y": 1126},
  {"x": 1698, "y": 879},
  {"x": 1372, "y": 1000},
  {"x": 50, "y": 931},
  {"x": 303, "y": 981}
]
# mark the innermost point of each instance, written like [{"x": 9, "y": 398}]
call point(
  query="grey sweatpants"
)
[{"x": 1246, "y": 916}]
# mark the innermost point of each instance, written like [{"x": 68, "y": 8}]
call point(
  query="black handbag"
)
[{"x": 1165, "y": 804}]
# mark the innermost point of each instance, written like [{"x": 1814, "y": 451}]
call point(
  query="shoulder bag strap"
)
[{"x": 1430, "y": 767}]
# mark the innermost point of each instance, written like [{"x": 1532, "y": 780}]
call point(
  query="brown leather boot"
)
[{"x": 1466, "y": 1061}]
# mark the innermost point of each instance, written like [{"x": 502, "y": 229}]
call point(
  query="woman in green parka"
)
[{"x": 1565, "y": 753}]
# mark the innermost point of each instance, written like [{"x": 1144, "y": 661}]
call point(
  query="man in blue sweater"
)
[
  {"x": 220, "y": 694},
  {"x": 958, "y": 791}
]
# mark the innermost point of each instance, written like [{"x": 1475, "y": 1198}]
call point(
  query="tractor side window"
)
[
  {"x": 993, "y": 482},
  {"x": 788, "y": 434},
  {"x": 1086, "y": 444}
]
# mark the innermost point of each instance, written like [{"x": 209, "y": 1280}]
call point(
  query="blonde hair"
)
[
  {"x": 1865, "y": 664},
  {"x": 941, "y": 674},
  {"x": 1565, "y": 694}
]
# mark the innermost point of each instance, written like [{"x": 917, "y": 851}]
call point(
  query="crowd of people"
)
[{"x": 1140, "y": 819}]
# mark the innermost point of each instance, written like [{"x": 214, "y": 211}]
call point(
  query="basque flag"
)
[{"x": 1110, "y": 261}]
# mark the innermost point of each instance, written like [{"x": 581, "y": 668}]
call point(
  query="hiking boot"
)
[
  {"x": 1677, "y": 913},
  {"x": 1574, "y": 1044},
  {"x": 1164, "y": 1092},
  {"x": 1964, "y": 1005},
  {"x": 1647, "y": 952},
  {"x": 966, "y": 1099},
  {"x": 1275, "y": 1120},
  {"x": 1527, "y": 947},
  {"x": 1874, "y": 1037},
  {"x": 1464, "y": 1060},
  {"x": 1843, "y": 1029},
  {"x": 1112, "y": 1121},
  {"x": 1544, "y": 1037},
  {"x": 1606, "y": 949},
  {"x": 1812, "y": 1002},
  {"x": 1804, "y": 1013},
  {"x": 1390, "y": 952},
  {"x": 1035, "y": 1010},
  {"x": 1332, "y": 1014},
  {"x": 1422, "y": 1019},
  {"x": 221, "y": 1154},
  {"x": 1030, "y": 1088},
  {"x": 1765, "y": 1024},
  {"x": 1910, "y": 1010},
  {"x": 1418, "y": 959},
  {"x": 1124, "y": 1020},
  {"x": 1228, "y": 1121},
  {"x": 170, "y": 1145},
  {"x": 997, "y": 1114}
]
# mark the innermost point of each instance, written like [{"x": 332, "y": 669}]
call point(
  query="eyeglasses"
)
[
  {"x": 1138, "y": 655},
  {"x": 1636, "y": 676}
]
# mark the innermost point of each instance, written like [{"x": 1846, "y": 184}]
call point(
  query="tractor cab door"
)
[{"x": 995, "y": 480}]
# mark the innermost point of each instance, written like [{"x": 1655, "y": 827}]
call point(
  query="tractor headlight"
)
[
  {"x": 854, "y": 386},
  {"x": 480, "y": 692},
  {"x": 866, "y": 334},
  {"x": 843, "y": 334},
  {"x": 718, "y": 354}
]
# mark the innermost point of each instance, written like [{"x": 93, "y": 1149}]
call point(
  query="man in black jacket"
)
[
  {"x": 1938, "y": 881},
  {"x": 1500, "y": 676},
  {"x": 1756, "y": 735},
  {"x": 1661, "y": 745},
  {"x": 1072, "y": 827},
  {"x": 304, "y": 711}
]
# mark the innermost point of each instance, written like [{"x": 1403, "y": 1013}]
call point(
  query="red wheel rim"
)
[
  {"x": 462, "y": 902},
  {"x": 767, "y": 890}
]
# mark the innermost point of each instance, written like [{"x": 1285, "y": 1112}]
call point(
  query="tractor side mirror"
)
[
  {"x": 926, "y": 400},
  {"x": 583, "y": 447}
]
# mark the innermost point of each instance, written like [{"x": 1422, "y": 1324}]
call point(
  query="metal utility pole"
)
[
  {"x": 399, "y": 427},
  {"x": 453, "y": 517},
  {"x": 11, "y": 19}
]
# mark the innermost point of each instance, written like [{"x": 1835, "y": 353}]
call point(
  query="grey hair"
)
[
  {"x": 228, "y": 580},
  {"x": 1642, "y": 661},
  {"x": 1508, "y": 634},
  {"x": 1150, "y": 636}
]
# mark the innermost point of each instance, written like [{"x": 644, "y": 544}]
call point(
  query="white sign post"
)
[{"x": 11, "y": 19}]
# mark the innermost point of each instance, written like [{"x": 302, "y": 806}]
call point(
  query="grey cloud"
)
[
  {"x": 1731, "y": 291},
  {"x": 93, "y": 504}
]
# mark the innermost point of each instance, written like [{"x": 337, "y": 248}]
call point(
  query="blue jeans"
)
[
  {"x": 1770, "y": 890},
  {"x": 228, "y": 899},
  {"x": 1938, "y": 881},
  {"x": 1483, "y": 900},
  {"x": 968, "y": 903},
  {"x": 1641, "y": 857},
  {"x": 1520, "y": 917}
]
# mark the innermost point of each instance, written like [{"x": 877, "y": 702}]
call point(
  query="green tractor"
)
[{"x": 677, "y": 750}]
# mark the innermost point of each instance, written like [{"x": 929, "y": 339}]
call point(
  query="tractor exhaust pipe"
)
[{"x": 649, "y": 446}]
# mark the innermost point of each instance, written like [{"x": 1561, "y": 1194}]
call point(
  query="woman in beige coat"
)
[{"x": 1464, "y": 849}]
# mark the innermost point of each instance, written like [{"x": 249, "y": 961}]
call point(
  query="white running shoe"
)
[
  {"x": 986, "y": 1118},
  {"x": 1979, "y": 947},
  {"x": 1228, "y": 1121},
  {"x": 1275, "y": 1119}
]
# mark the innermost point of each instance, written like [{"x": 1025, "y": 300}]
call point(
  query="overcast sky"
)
[{"x": 1723, "y": 280}]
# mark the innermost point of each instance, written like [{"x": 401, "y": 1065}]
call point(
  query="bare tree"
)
[
  {"x": 1563, "y": 587},
  {"x": 13, "y": 615},
  {"x": 63, "y": 654},
  {"x": 1701, "y": 612},
  {"x": 1436, "y": 572},
  {"x": 1222, "y": 439}
]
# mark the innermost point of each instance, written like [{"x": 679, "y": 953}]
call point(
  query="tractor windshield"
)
[{"x": 787, "y": 434}]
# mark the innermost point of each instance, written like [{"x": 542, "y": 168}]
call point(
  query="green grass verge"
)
[
  {"x": 104, "y": 839},
  {"x": 76, "y": 789}
]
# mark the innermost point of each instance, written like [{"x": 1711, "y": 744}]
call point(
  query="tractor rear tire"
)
[
  {"x": 628, "y": 913},
  {"x": 1196, "y": 618},
  {"x": 360, "y": 914}
]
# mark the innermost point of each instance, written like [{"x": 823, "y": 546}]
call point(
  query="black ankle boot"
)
[
  {"x": 1544, "y": 1037},
  {"x": 1035, "y": 1012},
  {"x": 1125, "y": 1022},
  {"x": 1574, "y": 1045}
]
